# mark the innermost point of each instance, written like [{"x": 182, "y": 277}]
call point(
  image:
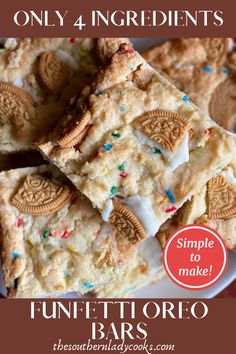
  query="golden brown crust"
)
[
  {"x": 119, "y": 67},
  {"x": 106, "y": 47}
]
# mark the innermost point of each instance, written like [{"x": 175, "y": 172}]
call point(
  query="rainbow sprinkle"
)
[
  {"x": 46, "y": 234},
  {"x": 15, "y": 255},
  {"x": 107, "y": 147},
  {"x": 88, "y": 286},
  {"x": 170, "y": 210},
  {"x": 124, "y": 48},
  {"x": 105, "y": 171},
  {"x": 72, "y": 249},
  {"x": 122, "y": 167},
  {"x": 19, "y": 221},
  {"x": 170, "y": 195},
  {"x": 65, "y": 234},
  {"x": 124, "y": 174},
  {"x": 186, "y": 99},
  {"x": 55, "y": 232},
  {"x": 116, "y": 134},
  {"x": 225, "y": 71},
  {"x": 113, "y": 191},
  {"x": 207, "y": 132},
  {"x": 208, "y": 69},
  {"x": 122, "y": 108}
]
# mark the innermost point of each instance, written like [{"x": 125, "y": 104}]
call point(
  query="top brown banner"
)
[{"x": 88, "y": 18}]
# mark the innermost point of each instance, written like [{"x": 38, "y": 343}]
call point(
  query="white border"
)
[{"x": 195, "y": 286}]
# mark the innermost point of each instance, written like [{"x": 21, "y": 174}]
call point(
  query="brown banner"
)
[
  {"x": 117, "y": 18},
  {"x": 145, "y": 326}
]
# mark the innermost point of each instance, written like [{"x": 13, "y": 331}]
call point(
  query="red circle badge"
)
[{"x": 195, "y": 257}]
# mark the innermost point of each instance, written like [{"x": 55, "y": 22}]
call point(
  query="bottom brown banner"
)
[{"x": 190, "y": 326}]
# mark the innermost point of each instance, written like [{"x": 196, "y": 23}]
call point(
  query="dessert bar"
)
[
  {"x": 136, "y": 146},
  {"x": 53, "y": 242},
  {"x": 38, "y": 79}
]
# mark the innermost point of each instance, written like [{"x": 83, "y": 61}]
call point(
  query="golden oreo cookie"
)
[
  {"x": 75, "y": 131},
  {"x": 52, "y": 71},
  {"x": 40, "y": 196},
  {"x": 164, "y": 127},
  {"x": 221, "y": 198},
  {"x": 16, "y": 106},
  {"x": 78, "y": 139},
  {"x": 126, "y": 223}
]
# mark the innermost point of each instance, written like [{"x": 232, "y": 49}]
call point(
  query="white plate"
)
[{"x": 166, "y": 288}]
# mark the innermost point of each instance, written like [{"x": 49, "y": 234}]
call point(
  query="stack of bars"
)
[{"x": 130, "y": 156}]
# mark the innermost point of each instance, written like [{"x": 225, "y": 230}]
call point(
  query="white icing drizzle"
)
[
  {"x": 150, "y": 249},
  {"x": 180, "y": 155},
  {"x": 106, "y": 211},
  {"x": 144, "y": 139},
  {"x": 230, "y": 45},
  {"x": 142, "y": 208},
  {"x": 176, "y": 158},
  {"x": 18, "y": 82},
  {"x": 67, "y": 58},
  {"x": 229, "y": 176}
]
